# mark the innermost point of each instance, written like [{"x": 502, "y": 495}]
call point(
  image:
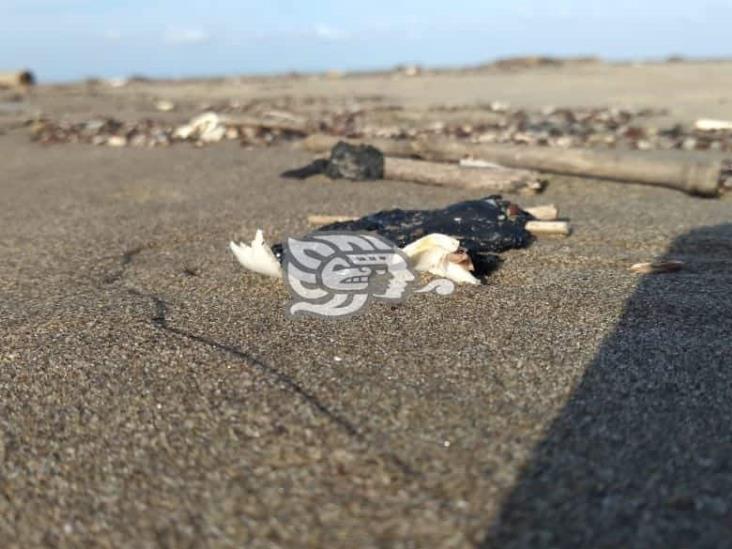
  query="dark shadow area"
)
[{"x": 641, "y": 456}]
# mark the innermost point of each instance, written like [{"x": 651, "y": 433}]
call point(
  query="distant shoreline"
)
[{"x": 512, "y": 63}]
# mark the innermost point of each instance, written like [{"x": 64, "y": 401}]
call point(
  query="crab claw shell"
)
[{"x": 257, "y": 257}]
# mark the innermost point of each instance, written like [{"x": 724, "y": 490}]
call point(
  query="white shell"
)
[
  {"x": 207, "y": 127},
  {"x": 707, "y": 124},
  {"x": 430, "y": 254},
  {"x": 257, "y": 257}
]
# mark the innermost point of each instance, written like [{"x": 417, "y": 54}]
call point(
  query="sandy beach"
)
[{"x": 154, "y": 394}]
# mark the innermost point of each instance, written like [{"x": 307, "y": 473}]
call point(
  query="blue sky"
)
[{"x": 70, "y": 39}]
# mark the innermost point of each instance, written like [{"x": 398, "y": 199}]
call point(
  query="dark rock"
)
[{"x": 355, "y": 162}]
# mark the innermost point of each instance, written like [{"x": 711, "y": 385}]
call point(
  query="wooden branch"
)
[
  {"x": 298, "y": 127},
  {"x": 680, "y": 171},
  {"x": 451, "y": 175}
]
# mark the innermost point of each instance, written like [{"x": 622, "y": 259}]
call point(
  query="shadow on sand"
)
[{"x": 641, "y": 456}]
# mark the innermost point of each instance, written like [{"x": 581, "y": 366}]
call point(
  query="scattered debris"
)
[
  {"x": 164, "y": 105},
  {"x": 99, "y": 131},
  {"x": 17, "y": 79},
  {"x": 483, "y": 227},
  {"x": 117, "y": 141},
  {"x": 496, "y": 122},
  {"x": 435, "y": 253},
  {"x": 654, "y": 267},
  {"x": 709, "y": 125},
  {"x": 119, "y": 82},
  {"x": 277, "y": 119},
  {"x": 408, "y": 70},
  {"x": 498, "y": 106},
  {"x": 460, "y": 242},
  {"x": 207, "y": 128},
  {"x": 690, "y": 174},
  {"x": 364, "y": 162}
]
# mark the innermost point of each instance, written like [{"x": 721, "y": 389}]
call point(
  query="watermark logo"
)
[{"x": 336, "y": 274}]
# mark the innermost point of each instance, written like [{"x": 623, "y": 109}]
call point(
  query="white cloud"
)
[
  {"x": 185, "y": 36},
  {"x": 326, "y": 32}
]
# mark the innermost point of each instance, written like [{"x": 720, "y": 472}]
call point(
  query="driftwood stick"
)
[
  {"x": 547, "y": 212},
  {"x": 298, "y": 127},
  {"x": 679, "y": 171},
  {"x": 542, "y": 228},
  {"x": 318, "y": 220},
  {"x": 452, "y": 175},
  {"x": 653, "y": 267}
]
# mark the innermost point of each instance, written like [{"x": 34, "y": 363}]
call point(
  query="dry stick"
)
[
  {"x": 318, "y": 220},
  {"x": 270, "y": 123},
  {"x": 681, "y": 172},
  {"x": 452, "y": 175},
  {"x": 653, "y": 267},
  {"x": 548, "y": 212},
  {"x": 542, "y": 228}
]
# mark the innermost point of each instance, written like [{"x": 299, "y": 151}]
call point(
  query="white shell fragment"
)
[
  {"x": 164, "y": 105},
  {"x": 117, "y": 141},
  {"x": 438, "y": 254},
  {"x": 709, "y": 125},
  {"x": 208, "y": 127},
  {"x": 257, "y": 257}
]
